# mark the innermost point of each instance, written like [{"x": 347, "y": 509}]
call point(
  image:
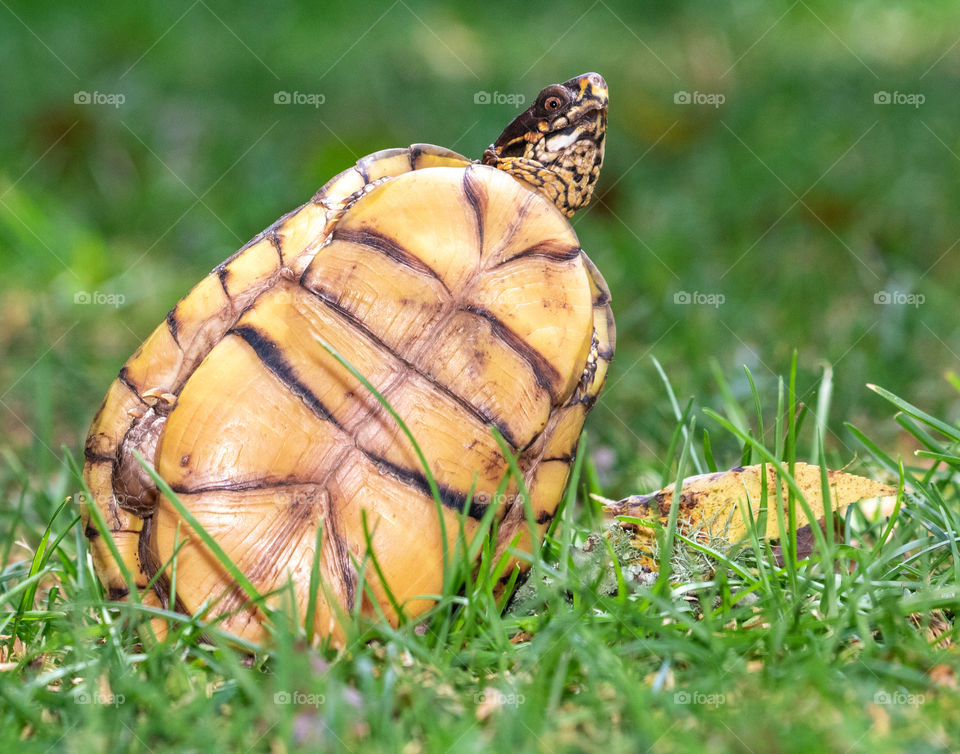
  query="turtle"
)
[{"x": 458, "y": 291}]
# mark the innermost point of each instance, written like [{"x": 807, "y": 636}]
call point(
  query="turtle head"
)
[{"x": 556, "y": 145}]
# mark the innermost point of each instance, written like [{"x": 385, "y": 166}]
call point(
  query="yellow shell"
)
[{"x": 459, "y": 292}]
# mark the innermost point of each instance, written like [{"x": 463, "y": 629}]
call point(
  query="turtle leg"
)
[
  {"x": 129, "y": 510},
  {"x": 134, "y": 489}
]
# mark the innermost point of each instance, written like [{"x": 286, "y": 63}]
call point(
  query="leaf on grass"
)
[
  {"x": 708, "y": 506},
  {"x": 936, "y": 627}
]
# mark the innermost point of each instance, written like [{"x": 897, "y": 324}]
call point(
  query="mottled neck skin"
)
[{"x": 556, "y": 145}]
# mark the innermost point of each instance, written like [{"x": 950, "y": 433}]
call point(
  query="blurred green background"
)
[{"x": 795, "y": 201}]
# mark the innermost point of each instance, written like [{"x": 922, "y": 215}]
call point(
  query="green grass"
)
[
  {"x": 831, "y": 653},
  {"x": 797, "y": 201}
]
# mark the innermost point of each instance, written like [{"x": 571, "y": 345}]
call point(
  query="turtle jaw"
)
[{"x": 558, "y": 152}]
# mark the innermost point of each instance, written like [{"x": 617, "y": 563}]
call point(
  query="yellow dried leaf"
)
[
  {"x": 935, "y": 626},
  {"x": 708, "y": 503}
]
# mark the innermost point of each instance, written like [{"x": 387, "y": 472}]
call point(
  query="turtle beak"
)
[{"x": 590, "y": 91}]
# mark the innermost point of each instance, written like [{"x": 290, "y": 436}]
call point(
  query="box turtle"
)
[{"x": 458, "y": 288}]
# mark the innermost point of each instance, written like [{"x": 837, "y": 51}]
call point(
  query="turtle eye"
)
[{"x": 552, "y": 103}]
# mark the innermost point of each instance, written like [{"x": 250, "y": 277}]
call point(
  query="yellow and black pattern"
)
[
  {"x": 462, "y": 295},
  {"x": 415, "y": 307}
]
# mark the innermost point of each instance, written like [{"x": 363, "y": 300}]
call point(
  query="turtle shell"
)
[{"x": 459, "y": 292}]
